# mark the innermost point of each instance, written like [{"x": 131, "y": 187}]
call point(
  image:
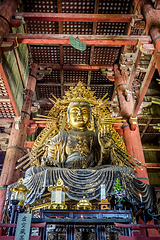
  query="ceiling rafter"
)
[
  {"x": 145, "y": 128},
  {"x": 5, "y": 81},
  {"x": 15, "y": 22},
  {"x": 75, "y": 67},
  {"x": 144, "y": 87},
  {"x": 128, "y": 29},
  {"x": 100, "y": 40},
  {"x": 89, "y": 78},
  {"x": 77, "y": 17},
  {"x": 134, "y": 69},
  {"x": 19, "y": 67},
  {"x": 153, "y": 165},
  {"x": 96, "y": 6},
  {"x": 94, "y": 32},
  {"x": 62, "y": 82},
  {"x": 60, "y": 25},
  {"x": 128, "y": 34},
  {"x": 68, "y": 84}
]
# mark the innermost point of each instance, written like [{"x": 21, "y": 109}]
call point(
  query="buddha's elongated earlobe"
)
[
  {"x": 89, "y": 124},
  {"x": 62, "y": 126}
]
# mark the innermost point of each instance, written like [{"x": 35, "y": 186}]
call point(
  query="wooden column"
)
[
  {"x": 134, "y": 147},
  {"x": 120, "y": 86},
  {"x": 7, "y": 9},
  {"x": 131, "y": 138},
  {"x": 127, "y": 138},
  {"x": 17, "y": 138},
  {"x": 144, "y": 86},
  {"x": 155, "y": 33},
  {"x": 152, "y": 18}
]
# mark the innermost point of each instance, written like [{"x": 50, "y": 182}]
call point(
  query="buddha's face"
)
[{"x": 79, "y": 115}]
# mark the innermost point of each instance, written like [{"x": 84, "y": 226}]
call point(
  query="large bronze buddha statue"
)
[
  {"x": 81, "y": 146},
  {"x": 78, "y": 148}
]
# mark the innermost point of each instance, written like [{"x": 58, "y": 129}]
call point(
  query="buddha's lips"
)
[{"x": 79, "y": 119}]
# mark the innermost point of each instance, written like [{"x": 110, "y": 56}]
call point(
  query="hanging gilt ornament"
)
[{"x": 77, "y": 44}]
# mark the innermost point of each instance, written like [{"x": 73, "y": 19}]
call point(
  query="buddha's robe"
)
[{"x": 76, "y": 150}]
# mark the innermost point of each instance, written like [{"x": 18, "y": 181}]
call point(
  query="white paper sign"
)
[
  {"x": 103, "y": 191},
  {"x": 23, "y": 226}
]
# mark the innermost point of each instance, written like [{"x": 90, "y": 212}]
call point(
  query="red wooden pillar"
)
[
  {"x": 152, "y": 18},
  {"x": 127, "y": 138},
  {"x": 158, "y": 5},
  {"x": 131, "y": 138},
  {"x": 155, "y": 33},
  {"x": 17, "y": 138},
  {"x": 134, "y": 147},
  {"x": 120, "y": 87},
  {"x": 7, "y": 9}
]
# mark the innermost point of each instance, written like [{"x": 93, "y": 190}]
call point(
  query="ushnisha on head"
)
[{"x": 79, "y": 114}]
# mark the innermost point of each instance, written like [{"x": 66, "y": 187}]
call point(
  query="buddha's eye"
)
[
  {"x": 84, "y": 110},
  {"x": 74, "y": 110}
]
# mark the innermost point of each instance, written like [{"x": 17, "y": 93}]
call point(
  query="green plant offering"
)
[{"x": 119, "y": 193}]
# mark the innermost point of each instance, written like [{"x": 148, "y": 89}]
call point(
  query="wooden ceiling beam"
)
[
  {"x": 89, "y": 78},
  {"x": 128, "y": 33},
  {"x": 134, "y": 69},
  {"x": 59, "y": 8},
  {"x": 4, "y": 121},
  {"x": 150, "y": 124},
  {"x": 78, "y": 67},
  {"x": 62, "y": 82},
  {"x": 61, "y": 54},
  {"x": 127, "y": 30},
  {"x": 60, "y": 25},
  {"x": 144, "y": 87},
  {"x": 5, "y": 81},
  {"x": 152, "y": 165},
  {"x": 7, "y": 46},
  {"x": 18, "y": 61},
  {"x": 72, "y": 84},
  {"x": 15, "y": 22},
  {"x": 152, "y": 133},
  {"x": 147, "y": 147},
  {"x": 91, "y": 55},
  {"x": 94, "y": 30},
  {"x": 145, "y": 128},
  {"x": 56, "y": 39},
  {"x": 4, "y": 99},
  {"x": 28, "y": 144},
  {"x": 77, "y": 17}
]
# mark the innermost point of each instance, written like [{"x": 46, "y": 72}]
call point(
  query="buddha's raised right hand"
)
[{"x": 105, "y": 139}]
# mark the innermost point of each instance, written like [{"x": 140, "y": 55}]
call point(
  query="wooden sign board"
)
[{"x": 23, "y": 226}]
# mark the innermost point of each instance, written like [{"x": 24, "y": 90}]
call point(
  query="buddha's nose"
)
[{"x": 79, "y": 112}]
